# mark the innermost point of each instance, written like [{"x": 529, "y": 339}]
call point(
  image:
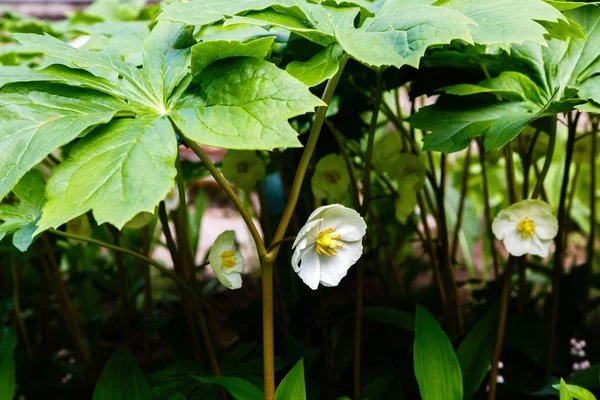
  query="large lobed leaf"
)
[
  {"x": 122, "y": 379},
  {"x": 243, "y": 103}
]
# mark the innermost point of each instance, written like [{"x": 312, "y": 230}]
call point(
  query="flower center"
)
[
  {"x": 327, "y": 244},
  {"x": 228, "y": 259},
  {"x": 333, "y": 176},
  {"x": 242, "y": 167},
  {"x": 527, "y": 227}
]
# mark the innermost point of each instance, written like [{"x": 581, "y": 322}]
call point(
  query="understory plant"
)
[{"x": 417, "y": 180}]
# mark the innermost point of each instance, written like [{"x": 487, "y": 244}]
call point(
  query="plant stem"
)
[
  {"x": 67, "y": 310},
  {"x": 325, "y": 324},
  {"x": 370, "y": 144},
  {"x": 539, "y": 186},
  {"x": 351, "y": 172},
  {"x": 437, "y": 276},
  {"x": 557, "y": 270},
  {"x": 246, "y": 216},
  {"x": 147, "y": 293},
  {"x": 268, "y": 341},
  {"x": 309, "y": 149},
  {"x": 501, "y": 328},
  {"x": 591, "y": 245},
  {"x": 122, "y": 281},
  {"x": 100, "y": 243},
  {"x": 487, "y": 209},
  {"x": 16, "y": 281},
  {"x": 448, "y": 275},
  {"x": 461, "y": 203}
]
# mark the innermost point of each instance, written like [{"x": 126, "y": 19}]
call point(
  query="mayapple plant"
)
[{"x": 122, "y": 119}]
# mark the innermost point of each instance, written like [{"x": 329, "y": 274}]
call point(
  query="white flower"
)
[
  {"x": 226, "y": 262},
  {"x": 328, "y": 245},
  {"x": 172, "y": 199},
  {"x": 526, "y": 227}
]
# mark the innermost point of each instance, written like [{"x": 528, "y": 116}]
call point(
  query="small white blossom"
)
[
  {"x": 584, "y": 364},
  {"x": 328, "y": 245},
  {"x": 172, "y": 199},
  {"x": 526, "y": 227},
  {"x": 226, "y": 262}
]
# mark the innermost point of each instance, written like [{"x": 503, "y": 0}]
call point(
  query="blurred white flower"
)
[
  {"x": 172, "y": 199},
  {"x": 328, "y": 245},
  {"x": 226, "y": 262},
  {"x": 584, "y": 364},
  {"x": 526, "y": 227}
]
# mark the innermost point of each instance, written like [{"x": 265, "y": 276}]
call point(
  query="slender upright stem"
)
[
  {"x": 461, "y": 203},
  {"x": 351, "y": 172},
  {"x": 16, "y": 281},
  {"x": 437, "y": 276},
  {"x": 487, "y": 210},
  {"x": 591, "y": 245},
  {"x": 246, "y": 216},
  {"x": 67, "y": 309},
  {"x": 456, "y": 322},
  {"x": 146, "y": 243},
  {"x": 122, "y": 280},
  {"x": 539, "y": 187},
  {"x": 501, "y": 328},
  {"x": 268, "y": 339},
  {"x": 325, "y": 327},
  {"x": 309, "y": 149},
  {"x": 371, "y": 143},
  {"x": 557, "y": 270}
]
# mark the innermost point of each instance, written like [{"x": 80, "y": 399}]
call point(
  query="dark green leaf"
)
[
  {"x": 475, "y": 352},
  {"x": 7, "y": 365},
  {"x": 292, "y": 387},
  {"x": 205, "y": 53},
  {"x": 122, "y": 379},
  {"x": 237, "y": 387},
  {"x": 436, "y": 366}
]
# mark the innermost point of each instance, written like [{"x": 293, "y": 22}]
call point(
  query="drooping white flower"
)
[
  {"x": 172, "y": 199},
  {"x": 328, "y": 245},
  {"x": 226, "y": 262},
  {"x": 526, "y": 227}
]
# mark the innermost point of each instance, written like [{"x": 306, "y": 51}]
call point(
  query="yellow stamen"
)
[
  {"x": 527, "y": 227},
  {"x": 327, "y": 244},
  {"x": 228, "y": 259}
]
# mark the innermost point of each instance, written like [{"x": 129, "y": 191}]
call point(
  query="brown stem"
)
[
  {"x": 487, "y": 210},
  {"x": 22, "y": 328},
  {"x": 146, "y": 243},
  {"x": 358, "y": 309},
  {"x": 455, "y": 323},
  {"x": 461, "y": 204},
  {"x": 122, "y": 281},
  {"x": 501, "y": 328},
  {"x": 591, "y": 245},
  {"x": 67, "y": 310},
  {"x": 325, "y": 326},
  {"x": 557, "y": 270}
]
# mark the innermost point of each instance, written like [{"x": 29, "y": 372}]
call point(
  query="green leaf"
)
[
  {"x": 330, "y": 179},
  {"x": 122, "y": 379},
  {"x": 390, "y": 316},
  {"x": 117, "y": 171},
  {"x": 37, "y": 121},
  {"x": 7, "y": 365},
  {"x": 243, "y": 103},
  {"x": 115, "y": 10},
  {"x": 292, "y": 387},
  {"x": 243, "y": 168},
  {"x": 237, "y": 387},
  {"x": 21, "y": 219},
  {"x": 134, "y": 84},
  {"x": 565, "y": 394},
  {"x": 165, "y": 66},
  {"x": 436, "y": 366},
  {"x": 400, "y": 33},
  {"x": 498, "y": 23},
  {"x": 576, "y": 392},
  {"x": 475, "y": 352},
  {"x": 205, "y": 53},
  {"x": 205, "y": 13},
  {"x": 568, "y": 5},
  {"x": 319, "y": 68}
]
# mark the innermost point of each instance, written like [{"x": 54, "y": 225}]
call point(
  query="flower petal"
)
[
  {"x": 310, "y": 225},
  {"x": 230, "y": 281},
  {"x": 310, "y": 269},
  {"x": 540, "y": 247},
  {"x": 335, "y": 268},
  {"x": 504, "y": 225},
  {"x": 297, "y": 256},
  {"x": 346, "y": 222},
  {"x": 546, "y": 228},
  {"x": 516, "y": 245}
]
